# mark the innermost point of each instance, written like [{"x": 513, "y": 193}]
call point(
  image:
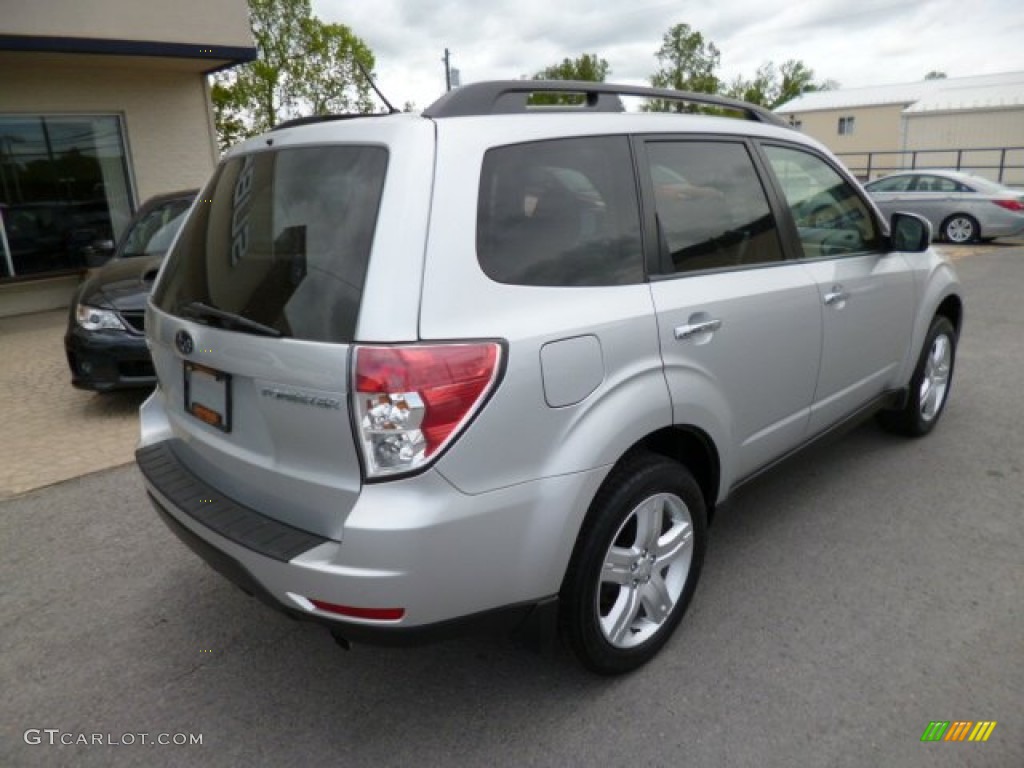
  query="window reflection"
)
[
  {"x": 712, "y": 211},
  {"x": 831, "y": 218},
  {"x": 64, "y": 194},
  {"x": 560, "y": 213}
]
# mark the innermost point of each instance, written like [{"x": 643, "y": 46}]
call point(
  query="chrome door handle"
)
[
  {"x": 684, "y": 332},
  {"x": 836, "y": 296}
]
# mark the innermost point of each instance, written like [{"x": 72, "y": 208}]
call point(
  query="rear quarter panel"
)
[{"x": 519, "y": 436}]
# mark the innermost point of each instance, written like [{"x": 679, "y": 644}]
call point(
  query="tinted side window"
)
[
  {"x": 830, "y": 216},
  {"x": 712, "y": 210},
  {"x": 282, "y": 238},
  {"x": 560, "y": 213},
  {"x": 935, "y": 184},
  {"x": 891, "y": 184}
]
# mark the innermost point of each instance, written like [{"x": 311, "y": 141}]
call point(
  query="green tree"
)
[
  {"x": 685, "y": 63},
  {"x": 227, "y": 114},
  {"x": 304, "y": 66},
  {"x": 762, "y": 89},
  {"x": 771, "y": 87},
  {"x": 797, "y": 79},
  {"x": 329, "y": 78},
  {"x": 589, "y": 67},
  {"x": 935, "y": 75}
]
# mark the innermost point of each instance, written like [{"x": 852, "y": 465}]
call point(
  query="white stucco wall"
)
[
  {"x": 165, "y": 110},
  {"x": 222, "y": 22}
]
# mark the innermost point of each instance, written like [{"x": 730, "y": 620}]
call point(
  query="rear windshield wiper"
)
[{"x": 201, "y": 311}]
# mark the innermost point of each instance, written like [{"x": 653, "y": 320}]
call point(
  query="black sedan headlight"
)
[{"x": 96, "y": 319}]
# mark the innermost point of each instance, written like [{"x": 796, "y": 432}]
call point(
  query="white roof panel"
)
[
  {"x": 979, "y": 92},
  {"x": 957, "y": 96}
]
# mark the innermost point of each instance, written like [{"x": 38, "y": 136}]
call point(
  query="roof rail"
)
[{"x": 506, "y": 97}]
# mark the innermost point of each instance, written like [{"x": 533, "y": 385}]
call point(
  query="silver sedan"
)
[{"x": 961, "y": 207}]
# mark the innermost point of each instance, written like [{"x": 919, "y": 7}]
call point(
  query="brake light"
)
[
  {"x": 1010, "y": 205},
  {"x": 411, "y": 401},
  {"x": 374, "y": 614}
]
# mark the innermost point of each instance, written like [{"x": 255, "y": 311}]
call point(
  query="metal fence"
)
[{"x": 1002, "y": 164}]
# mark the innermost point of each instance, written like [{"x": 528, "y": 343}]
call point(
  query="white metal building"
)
[{"x": 954, "y": 115}]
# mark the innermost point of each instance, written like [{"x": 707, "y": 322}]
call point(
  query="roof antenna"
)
[{"x": 391, "y": 109}]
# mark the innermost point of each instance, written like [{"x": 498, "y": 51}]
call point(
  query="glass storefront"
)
[{"x": 65, "y": 196}]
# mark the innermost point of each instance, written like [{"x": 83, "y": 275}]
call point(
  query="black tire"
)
[
  {"x": 960, "y": 228},
  {"x": 919, "y": 415},
  {"x": 645, "y": 488}
]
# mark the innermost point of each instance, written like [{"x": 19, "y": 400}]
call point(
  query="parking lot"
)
[
  {"x": 53, "y": 432},
  {"x": 860, "y": 592}
]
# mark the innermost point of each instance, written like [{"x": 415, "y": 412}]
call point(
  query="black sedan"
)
[{"x": 105, "y": 341}]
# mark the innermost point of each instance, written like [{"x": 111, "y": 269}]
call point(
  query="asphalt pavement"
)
[{"x": 850, "y": 598}]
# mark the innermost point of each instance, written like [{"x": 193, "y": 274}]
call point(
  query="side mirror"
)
[
  {"x": 98, "y": 253},
  {"x": 910, "y": 233}
]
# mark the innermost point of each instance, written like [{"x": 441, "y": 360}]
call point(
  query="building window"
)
[
  {"x": 845, "y": 126},
  {"x": 64, "y": 192}
]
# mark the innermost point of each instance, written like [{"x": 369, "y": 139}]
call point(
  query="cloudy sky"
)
[{"x": 855, "y": 42}]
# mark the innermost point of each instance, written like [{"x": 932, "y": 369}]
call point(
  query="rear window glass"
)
[
  {"x": 560, "y": 213},
  {"x": 282, "y": 238}
]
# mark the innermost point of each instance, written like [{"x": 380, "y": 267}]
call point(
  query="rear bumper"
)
[
  {"x": 1004, "y": 229},
  {"x": 454, "y": 564},
  {"x": 534, "y": 622}
]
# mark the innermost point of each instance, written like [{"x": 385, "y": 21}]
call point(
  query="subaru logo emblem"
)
[{"x": 183, "y": 341}]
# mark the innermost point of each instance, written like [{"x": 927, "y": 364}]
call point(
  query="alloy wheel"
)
[
  {"x": 935, "y": 381},
  {"x": 960, "y": 230},
  {"x": 645, "y": 570}
]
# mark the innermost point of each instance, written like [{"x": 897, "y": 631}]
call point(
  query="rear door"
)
[
  {"x": 866, "y": 295},
  {"x": 251, "y": 326},
  {"x": 739, "y": 326},
  {"x": 935, "y": 198}
]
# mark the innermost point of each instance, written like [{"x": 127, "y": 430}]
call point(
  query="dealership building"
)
[{"x": 103, "y": 104}]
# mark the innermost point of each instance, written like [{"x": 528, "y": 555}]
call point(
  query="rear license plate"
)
[{"x": 208, "y": 395}]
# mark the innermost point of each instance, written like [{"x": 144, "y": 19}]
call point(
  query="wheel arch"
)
[
  {"x": 952, "y": 308},
  {"x": 693, "y": 448},
  {"x": 579, "y": 609}
]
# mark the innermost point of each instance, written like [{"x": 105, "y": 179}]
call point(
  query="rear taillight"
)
[
  {"x": 411, "y": 401},
  {"x": 1011, "y": 205}
]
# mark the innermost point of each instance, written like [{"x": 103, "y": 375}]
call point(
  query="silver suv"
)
[{"x": 498, "y": 364}]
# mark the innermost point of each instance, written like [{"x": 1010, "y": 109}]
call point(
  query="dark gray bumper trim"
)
[{"x": 212, "y": 509}]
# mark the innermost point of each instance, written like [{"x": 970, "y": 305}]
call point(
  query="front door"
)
[
  {"x": 866, "y": 294},
  {"x": 739, "y": 326}
]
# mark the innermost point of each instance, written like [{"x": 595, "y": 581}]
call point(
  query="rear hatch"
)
[{"x": 252, "y": 322}]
